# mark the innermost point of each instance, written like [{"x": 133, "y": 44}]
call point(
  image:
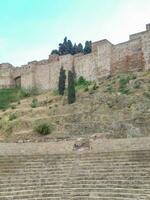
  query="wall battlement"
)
[{"x": 105, "y": 59}]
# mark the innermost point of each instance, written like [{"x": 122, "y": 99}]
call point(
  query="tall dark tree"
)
[
  {"x": 61, "y": 49},
  {"x": 65, "y": 47},
  {"x": 55, "y": 51},
  {"x": 71, "y": 88},
  {"x": 88, "y": 47},
  {"x": 74, "y": 49},
  {"x": 65, "y": 44},
  {"x": 62, "y": 81},
  {"x": 80, "y": 48},
  {"x": 69, "y": 47}
]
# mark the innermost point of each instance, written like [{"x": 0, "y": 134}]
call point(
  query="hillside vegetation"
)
[
  {"x": 116, "y": 107},
  {"x": 7, "y": 96}
]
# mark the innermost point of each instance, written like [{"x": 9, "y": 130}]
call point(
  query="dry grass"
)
[{"x": 104, "y": 110}]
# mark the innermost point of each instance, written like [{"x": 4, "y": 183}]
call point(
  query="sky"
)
[{"x": 30, "y": 29}]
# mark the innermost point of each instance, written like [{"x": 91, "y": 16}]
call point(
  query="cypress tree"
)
[
  {"x": 74, "y": 49},
  {"x": 71, "y": 88},
  {"x": 65, "y": 43},
  {"x": 88, "y": 47},
  {"x": 69, "y": 47},
  {"x": 80, "y": 48},
  {"x": 62, "y": 81},
  {"x": 61, "y": 49}
]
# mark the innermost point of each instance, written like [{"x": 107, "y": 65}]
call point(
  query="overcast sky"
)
[{"x": 30, "y": 29}]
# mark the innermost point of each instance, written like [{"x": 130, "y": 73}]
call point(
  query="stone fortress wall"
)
[{"x": 105, "y": 59}]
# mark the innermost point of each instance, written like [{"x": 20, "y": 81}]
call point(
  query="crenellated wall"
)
[{"x": 105, "y": 59}]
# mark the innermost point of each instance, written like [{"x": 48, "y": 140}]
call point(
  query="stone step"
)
[
  {"x": 119, "y": 170},
  {"x": 88, "y": 186},
  {"x": 76, "y": 176},
  {"x": 100, "y": 157}
]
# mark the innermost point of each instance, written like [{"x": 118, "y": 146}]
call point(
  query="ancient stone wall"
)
[
  {"x": 5, "y": 75},
  {"x": 85, "y": 65},
  {"x": 104, "y": 59},
  {"x": 41, "y": 76},
  {"x": 103, "y": 56},
  {"x": 127, "y": 56},
  {"x": 146, "y": 49},
  {"x": 27, "y": 77}
]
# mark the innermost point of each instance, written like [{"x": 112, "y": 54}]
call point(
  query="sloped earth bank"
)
[{"x": 118, "y": 108}]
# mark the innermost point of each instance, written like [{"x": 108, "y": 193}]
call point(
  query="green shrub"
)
[
  {"x": 133, "y": 76},
  {"x": 123, "y": 84},
  {"x": 29, "y": 92},
  {"x": 124, "y": 90},
  {"x": 44, "y": 128},
  {"x": 95, "y": 86},
  {"x": 12, "y": 116},
  {"x": 137, "y": 85},
  {"x": 82, "y": 82},
  {"x": 110, "y": 104},
  {"x": 55, "y": 92},
  {"x": 13, "y": 107},
  {"x": 110, "y": 89},
  {"x": 147, "y": 95},
  {"x": 34, "y": 91},
  {"x": 125, "y": 80},
  {"x": 34, "y": 103},
  {"x": 25, "y": 93}
]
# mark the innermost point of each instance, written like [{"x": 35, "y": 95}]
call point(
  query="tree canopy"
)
[{"x": 67, "y": 47}]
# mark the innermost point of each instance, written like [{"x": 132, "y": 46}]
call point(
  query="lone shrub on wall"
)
[
  {"x": 43, "y": 128},
  {"x": 34, "y": 103},
  {"x": 82, "y": 81},
  {"x": 62, "y": 80},
  {"x": 71, "y": 88}
]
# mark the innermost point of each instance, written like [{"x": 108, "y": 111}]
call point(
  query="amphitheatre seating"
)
[{"x": 109, "y": 169}]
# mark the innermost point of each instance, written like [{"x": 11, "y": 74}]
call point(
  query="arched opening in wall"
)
[{"x": 18, "y": 82}]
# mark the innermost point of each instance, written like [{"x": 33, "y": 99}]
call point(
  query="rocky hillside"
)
[{"x": 117, "y": 107}]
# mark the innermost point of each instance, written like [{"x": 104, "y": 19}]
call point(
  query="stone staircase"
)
[{"x": 113, "y": 169}]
